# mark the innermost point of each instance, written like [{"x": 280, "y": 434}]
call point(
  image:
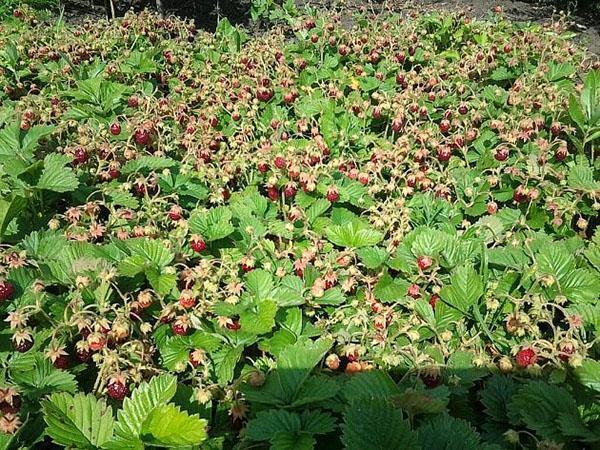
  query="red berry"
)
[
  {"x": 444, "y": 153},
  {"x": 117, "y": 390},
  {"x": 115, "y": 128},
  {"x": 526, "y": 357},
  {"x": 234, "y": 326},
  {"x": 8, "y": 408},
  {"x": 289, "y": 191},
  {"x": 83, "y": 355},
  {"x": 142, "y": 136},
  {"x": 23, "y": 346},
  {"x": 7, "y": 290},
  {"x": 198, "y": 245},
  {"x": 492, "y": 208},
  {"x": 555, "y": 128},
  {"x": 431, "y": 381},
  {"x": 179, "y": 329},
  {"x": 445, "y": 126},
  {"x": 273, "y": 193},
  {"x": 62, "y": 362},
  {"x": 263, "y": 167},
  {"x": 566, "y": 350},
  {"x": 520, "y": 195},
  {"x": 81, "y": 156},
  {"x": 561, "y": 153},
  {"x": 133, "y": 102},
  {"x": 187, "y": 301},
  {"x": 424, "y": 262},
  {"x": 501, "y": 154},
  {"x": 333, "y": 194},
  {"x": 414, "y": 291},
  {"x": 433, "y": 300},
  {"x": 279, "y": 162}
]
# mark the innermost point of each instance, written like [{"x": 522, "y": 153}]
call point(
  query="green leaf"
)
[
  {"x": 542, "y": 407},
  {"x": 372, "y": 257},
  {"x": 212, "y": 225},
  {"x": 226, "y": 361},
  {"x": 388, "y": 289},
  {"x": 588, "y": 374},
  {"x": 292, "y": 441},
  {"x": 40, "y": 377},
  {"x": 582, "y": 178},
  {"x": 376, "y": 424},
  {"x": 371, "y": 384},
  {"x": 353, "y": 235},
  {"x": 259, "y": 283},
  {"x": 56, "y": 177},
  {"x": 168, "y": 426},
  {"x": 9, "y": 209},
  {"x": 465, "y": 290},
  {"x": 147, "y": 163},
  {"x": 81, "y": 421},
  {"x": 317, "y": 209},
  {"x": 162, "y": 283},
  {"x": 259, "y": 320},
  {"x": 447, "y": 433},
  {"x": 137, "y": 408}
]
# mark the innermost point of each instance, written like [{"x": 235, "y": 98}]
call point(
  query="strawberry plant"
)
[{"x": 377, "y": 236}]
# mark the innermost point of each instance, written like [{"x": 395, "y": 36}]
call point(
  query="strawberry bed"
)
[{"x": 381, "y": 237}]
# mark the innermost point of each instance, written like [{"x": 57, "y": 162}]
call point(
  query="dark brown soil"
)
[{"x": 585, "y": 20}]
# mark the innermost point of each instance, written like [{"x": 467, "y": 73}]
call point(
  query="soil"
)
[{"x": 584, "y": 20}]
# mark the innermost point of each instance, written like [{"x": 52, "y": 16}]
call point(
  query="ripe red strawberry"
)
[
  {"x": 555, "y": 128},
  {"x": 501, "y": 154},
  {"x": 175, "y": 213},
  {"x": 83, "y": 355},
  {"x": 114, "y": 173},
  {"x": 431, "y": 381},
  {"x": 433, "y": 300},
  {"x": 234, "y": 326},
  {"x": 424, "y": 262},
  {"x": 566, "y": 350},
  {"x": 444, "y": 153},
  {"x": 23, "y": 345},
  {"x": 290, "y": 190},
  {"x": 445, "y": 126},
  {"x": 115, "y": 128},
  {"x": 520, "y": 194},
  {"x": 133, "y": 102},
  {"x": 263, "y": 167},
  {"x": 80, "y": 156},
  {"x": 561, "y": 153},
  {"x": 197, "y": 244},
  {"x": 273, "y": 193},
  {"x": 13, "y": 407},
  {"x": 463, "y": 109},
  {"x": 526, "y": 357},
  {"x": 187, "y": 301},
  {"x": 414, "y": 291},
  {"x": 179, "y": 328},
  {"x": 7, "y": 290},
  {"x": 62, "y": 362},
  {"x": 117, "y": 390},
  {"x": 141, "y": 136},
  {"x": 333, "y": 194},
  {"x": 279, "y": 162}
]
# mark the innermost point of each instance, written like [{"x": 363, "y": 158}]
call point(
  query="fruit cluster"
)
[{"x": 177, "y": 201}]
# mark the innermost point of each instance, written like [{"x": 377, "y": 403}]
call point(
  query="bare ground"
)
[{"x": 585, "y": 21}]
